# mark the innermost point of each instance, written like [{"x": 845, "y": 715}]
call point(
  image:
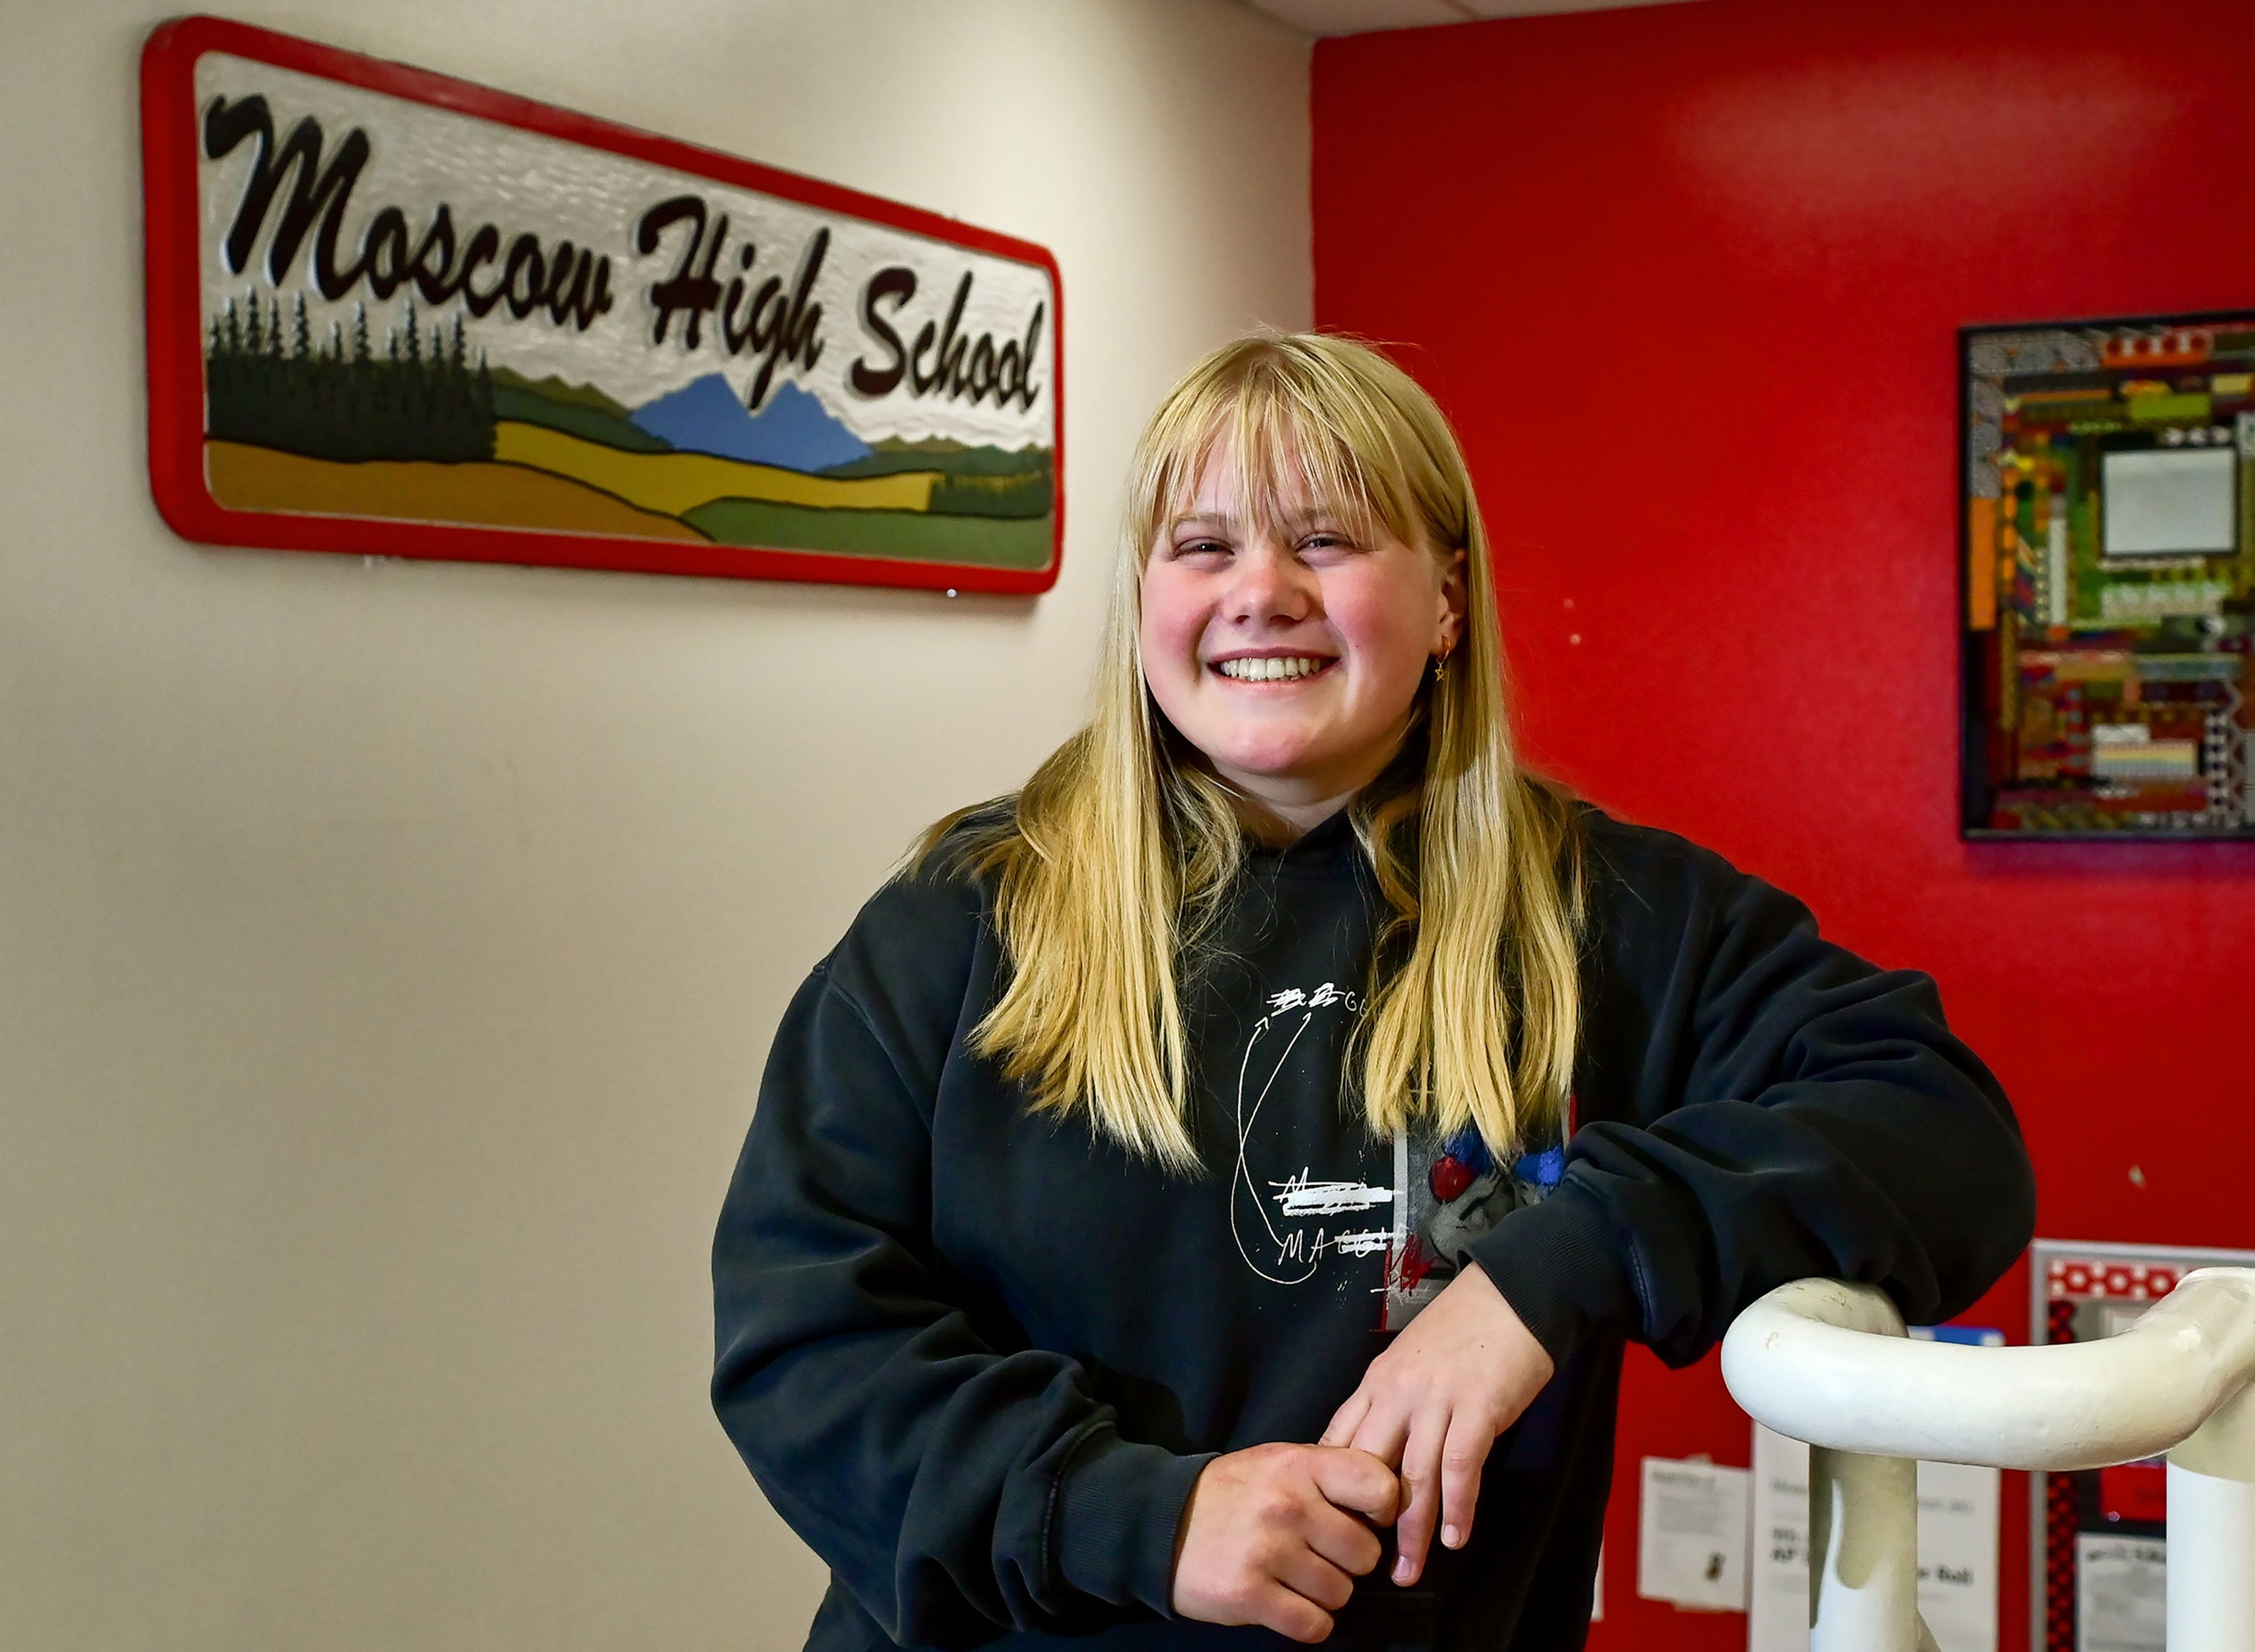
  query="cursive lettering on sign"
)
[
  {"x": 960, "y": 365},
  {"x": 762, "y": 320},
  {"x": 569, "y": 284}
]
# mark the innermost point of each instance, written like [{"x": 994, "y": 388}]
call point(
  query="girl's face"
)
[{"x": 1291, "y": 656}]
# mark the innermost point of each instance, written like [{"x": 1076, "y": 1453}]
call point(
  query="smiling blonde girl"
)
[{"x": 1245, "y": 1151}]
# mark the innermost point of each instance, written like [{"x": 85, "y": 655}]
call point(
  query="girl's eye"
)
[
  {"x": 1200, "y": 548},
  {"x": 1326, "y": 540}
]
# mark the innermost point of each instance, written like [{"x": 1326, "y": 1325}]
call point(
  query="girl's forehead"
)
[{"x": 1275, "y": 487}]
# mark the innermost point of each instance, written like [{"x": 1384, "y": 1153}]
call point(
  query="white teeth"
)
[{"x": 1271, "y": 670}]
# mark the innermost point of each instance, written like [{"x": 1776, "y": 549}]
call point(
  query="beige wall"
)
[{"x": 387, "y": 954}]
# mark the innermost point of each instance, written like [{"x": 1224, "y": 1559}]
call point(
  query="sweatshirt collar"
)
[{"x": 1323, "y": 848}]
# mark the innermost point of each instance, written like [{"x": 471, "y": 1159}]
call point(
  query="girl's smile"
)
[{"x": 1255, "y": 665}]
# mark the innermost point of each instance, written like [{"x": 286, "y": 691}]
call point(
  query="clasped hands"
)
[{"x": 1276, "y": 1535}]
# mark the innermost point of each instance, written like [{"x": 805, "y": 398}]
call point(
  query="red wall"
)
[{"x": 1687, "y": 278}]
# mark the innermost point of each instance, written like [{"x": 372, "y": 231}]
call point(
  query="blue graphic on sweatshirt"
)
[{"x": 1462, "y": 1193}]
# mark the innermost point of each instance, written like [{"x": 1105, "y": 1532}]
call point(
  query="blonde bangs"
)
[
  {"x": 1123, "y": 846},
  {"x": 1300, "y": 438}
]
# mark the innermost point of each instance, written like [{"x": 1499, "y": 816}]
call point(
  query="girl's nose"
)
[{"x": 1269, "y": 583}]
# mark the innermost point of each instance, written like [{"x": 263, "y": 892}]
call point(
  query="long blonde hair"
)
[{"x": 1110, "y": 862}]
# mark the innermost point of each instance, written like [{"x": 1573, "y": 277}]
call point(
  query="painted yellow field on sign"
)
[{"x": 674, "y": 484}]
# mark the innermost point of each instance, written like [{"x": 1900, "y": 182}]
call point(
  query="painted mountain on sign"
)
[{"x": 794, "y": 431}]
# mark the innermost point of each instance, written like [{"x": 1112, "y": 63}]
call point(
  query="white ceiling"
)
[{"x": 1359, "y": 16}]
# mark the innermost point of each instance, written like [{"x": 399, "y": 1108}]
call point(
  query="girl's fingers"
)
[
  {"x": 1292, "y": 1615},
  {"x": 1357, "y": 1482},
  {"x": 1346, "y": 1419},
  {"x": 1343, "y": 1540},
  {"x": 1462, "y": 1459},
  {"x": 1421, "y": 1476},
  {"x": 1383, "y": 1431},
  {"x": 1314, "y": 1578}
]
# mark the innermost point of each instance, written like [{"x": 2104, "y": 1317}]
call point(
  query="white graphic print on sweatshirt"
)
[
  {"x": 1445, "y": 1194},
  {"x": 1286, "y": 1229}
]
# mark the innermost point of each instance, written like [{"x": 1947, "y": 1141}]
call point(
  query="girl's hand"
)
[
  {"x": 1434, "y": 1403},
  {"x": 1264, "y": 1539}
]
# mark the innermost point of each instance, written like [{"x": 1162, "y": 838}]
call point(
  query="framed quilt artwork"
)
[{"x": 2108, "y": 561}]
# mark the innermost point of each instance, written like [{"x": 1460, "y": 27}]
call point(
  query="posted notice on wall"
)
[
  {"x": 1778, "y": 1609},
  {"x": 1958, "y": 1526},
  {"x": 1691, "y": 1535},
  {"x": 2121, "y": 1593}
]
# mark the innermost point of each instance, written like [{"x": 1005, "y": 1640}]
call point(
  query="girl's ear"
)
[{"x": 1451, "y": 627}]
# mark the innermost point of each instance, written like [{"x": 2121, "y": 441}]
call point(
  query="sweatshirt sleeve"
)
[
  {"x": 1792, "y": 1111},
  {"x": 958, "y": 1488}
]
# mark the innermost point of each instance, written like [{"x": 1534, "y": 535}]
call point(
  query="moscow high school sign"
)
[{"x": 396, "y": 314}]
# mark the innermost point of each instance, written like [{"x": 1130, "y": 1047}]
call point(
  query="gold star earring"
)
[{"x": 1440, "y": 668}]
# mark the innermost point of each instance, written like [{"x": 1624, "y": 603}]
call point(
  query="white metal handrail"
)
[{"x": 1827, "y": 1362}]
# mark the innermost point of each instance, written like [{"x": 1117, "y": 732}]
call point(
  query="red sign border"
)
[{"x": 175, "y": 293}]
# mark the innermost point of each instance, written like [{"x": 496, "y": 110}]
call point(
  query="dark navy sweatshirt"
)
[{"x": 977, "y": 1359}]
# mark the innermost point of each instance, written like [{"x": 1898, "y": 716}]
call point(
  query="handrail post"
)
[
  {"x": 2211, "y": 1570},
  {"x": 1822, "y": 1360},
  {"x": 1863, "y": 1547}
]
